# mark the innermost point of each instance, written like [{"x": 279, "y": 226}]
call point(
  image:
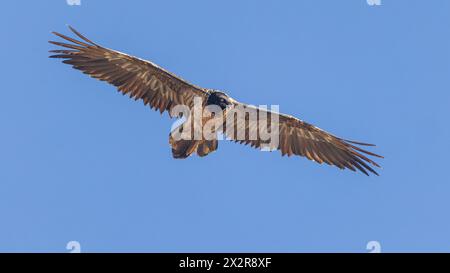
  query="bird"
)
[{"x": 164, "y": 91}]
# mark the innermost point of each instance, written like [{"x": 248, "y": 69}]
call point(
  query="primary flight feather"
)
[{"x": 163, "y": 91}]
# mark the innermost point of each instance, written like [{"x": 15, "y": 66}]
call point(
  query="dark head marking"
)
[{"x": 219, "y": 98}]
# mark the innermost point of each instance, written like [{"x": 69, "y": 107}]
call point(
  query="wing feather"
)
[
  {"x": 297, "y": 137},
  {"x": 139, "y": 78}
]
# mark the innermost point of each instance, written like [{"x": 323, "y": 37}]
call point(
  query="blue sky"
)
[{"x": 80, "y": 162}]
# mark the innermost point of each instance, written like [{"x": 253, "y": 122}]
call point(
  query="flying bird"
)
[{"x": 163, "y": 91}]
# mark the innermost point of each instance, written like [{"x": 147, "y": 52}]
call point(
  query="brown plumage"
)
[
  {"x": 301, "y": 138},
  {"x": 162, "y": 91},
  {"x": 138, "y": 78}
]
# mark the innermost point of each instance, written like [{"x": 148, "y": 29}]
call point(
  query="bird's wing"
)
[
  {"x": 297, "y": 137},
  {"x": 139, "y": 78}
]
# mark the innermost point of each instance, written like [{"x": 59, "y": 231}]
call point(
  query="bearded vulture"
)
[{"x": 164, "y": 91}]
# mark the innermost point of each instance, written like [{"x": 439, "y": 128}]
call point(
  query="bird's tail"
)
[
  {"x": 205, "y": 147},
  {"x": 184, "y": 148}
]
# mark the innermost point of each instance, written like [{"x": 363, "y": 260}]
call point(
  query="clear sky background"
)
[{"x": 79, "y": 161}]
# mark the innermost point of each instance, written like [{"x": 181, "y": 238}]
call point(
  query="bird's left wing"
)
[
  {"x": 139, "y": 78},
  {"x": 296, "y": 137}
]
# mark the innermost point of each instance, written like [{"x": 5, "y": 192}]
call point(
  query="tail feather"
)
[
  {"x": 184, "y": 148},
  {"x": 207, "y": 146}
]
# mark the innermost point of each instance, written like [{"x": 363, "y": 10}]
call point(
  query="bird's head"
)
[{"x": 219, "y": 98}]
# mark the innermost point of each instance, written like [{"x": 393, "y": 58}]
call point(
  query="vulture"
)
[{"x": 164, "y": 91}]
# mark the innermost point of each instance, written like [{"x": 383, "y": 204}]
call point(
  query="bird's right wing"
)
[{"x": 139, "y": 78}]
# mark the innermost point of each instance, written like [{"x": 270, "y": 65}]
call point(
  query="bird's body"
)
[{"x": 164, "y": 91}]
